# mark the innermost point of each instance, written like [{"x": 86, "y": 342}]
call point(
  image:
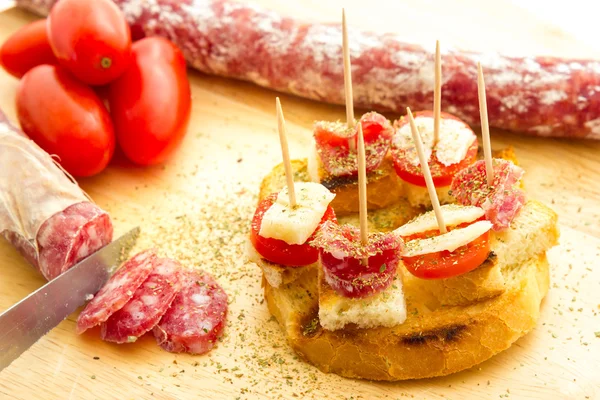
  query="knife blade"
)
[{"x": 31, "y": 318}]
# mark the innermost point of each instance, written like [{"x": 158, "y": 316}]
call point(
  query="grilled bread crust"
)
[
  {"x": 429, "y": 343},
  {"x": 451, "y": 324}
]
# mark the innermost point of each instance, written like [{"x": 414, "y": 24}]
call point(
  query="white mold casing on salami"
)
[
  {"x": 43, "y": 212},
  {"x": 541, "y": 96}
]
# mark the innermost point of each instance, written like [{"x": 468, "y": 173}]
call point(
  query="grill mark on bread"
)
[
  {"x": 337, "y": 182},
  {"x": 446, "y": 334}
]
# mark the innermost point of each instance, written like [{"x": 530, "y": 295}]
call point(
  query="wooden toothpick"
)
[
  {"x": 285, "y": 152},
  {"x": 426, "y": 172},
  {"x": 362, "y": 191},
  {"x": 485, "y": 128},
  {"x": 437, "y": 94},
  {"x": 347, "y": 80}
]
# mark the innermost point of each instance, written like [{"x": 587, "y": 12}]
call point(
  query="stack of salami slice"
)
[{"x": 185, "y": 310}]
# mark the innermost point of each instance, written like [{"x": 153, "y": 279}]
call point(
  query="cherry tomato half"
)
[
  {"x": 91, "y": 39},
  {"x": 27, "y": 48},
  {"x": 446, "y": 264},
  {"x": 65, "y": 118},
  {"x": 151, "y": 102},
  {"x": 442, "y": 175},
  {"x": 374, "y": 125},
  {"x": 278, "y": 251}
]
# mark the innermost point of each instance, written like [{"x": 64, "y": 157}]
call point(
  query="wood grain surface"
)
[{"x": 197, "y": 207}]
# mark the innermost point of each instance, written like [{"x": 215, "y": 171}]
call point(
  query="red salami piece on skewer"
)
[
  {"x": 332, "y": 142},
  {"x": 148, "y": 304},
  {"x": 342, "y": 254},
  {"x": 501, "y": 201},
  {"x": 43, "y": 212},
  {"x": 196, "y": 318},
  {"x": 119, "y": 289}
]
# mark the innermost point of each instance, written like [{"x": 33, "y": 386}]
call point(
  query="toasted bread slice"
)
[
  {"x": 431, "y": 342},
  {"x": 386, "y": 308},
  {"x": 531, "y": 234},
  {"x": 533, "y": 231},
  {"x": 418, "y": 196},
  {"x": 484, "y": 282},
  {"x": 384, "y": 188},
  {"x": 275, "y": 274},
  {"x": 275, "y": 180},
  {"x": 436, "y": 339}
]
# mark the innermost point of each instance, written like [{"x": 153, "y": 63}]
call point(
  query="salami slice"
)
[
  {"x": 43, "y": 212},
  {"x": 501, "y": 201},
  {"x": 542, "y": 96},
  {"x": 333, "y": 147},
  {"x": 196, "y": 319},
  {"x": 119, "y": 289},
  {"x": 148, "y": 304},
  {"x": 341, "y": 254},
  {"x": 70, "y": 235}
]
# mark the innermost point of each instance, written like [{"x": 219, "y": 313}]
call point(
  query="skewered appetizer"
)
[
  {"x": 286, "y": 221},
  {"x": 393, "y": 173},
  {"x": 411, "y": 299},
  {"x": 455, "y": 299},
  {"x": 281, "y": 233},
  {"x": 333, "y": 162},
  {"x": 333, "y": 159},
  {"x": 455, "y": 149}
]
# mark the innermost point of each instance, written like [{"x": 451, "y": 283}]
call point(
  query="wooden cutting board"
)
[{"x": 197, "y": 207}]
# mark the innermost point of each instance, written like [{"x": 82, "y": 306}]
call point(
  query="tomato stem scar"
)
[{"x": 105, "y": 62}]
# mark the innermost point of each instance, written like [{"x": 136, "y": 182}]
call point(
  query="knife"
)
[{"x": 27, "y": 321}]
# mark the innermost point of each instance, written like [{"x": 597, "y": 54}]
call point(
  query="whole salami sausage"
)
[
  {"x": 541, "y": 96},
  {"x": 43, "y": 212}
]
